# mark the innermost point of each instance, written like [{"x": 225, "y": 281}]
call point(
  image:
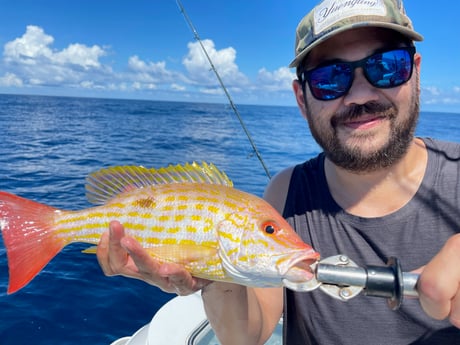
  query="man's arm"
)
[{"x": 242, "y": 315}]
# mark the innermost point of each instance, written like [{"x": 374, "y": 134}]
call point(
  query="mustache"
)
[{"x": 357, "y": 110}]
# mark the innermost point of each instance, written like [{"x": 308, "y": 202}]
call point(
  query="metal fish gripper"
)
[{"x": 341, "y": 278}]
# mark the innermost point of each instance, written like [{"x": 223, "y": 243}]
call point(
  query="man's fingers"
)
[
  {"x": 103, "y": 254},
  {"x": 118, "y": 256},
  {"x": 142, "y": 262},
  {"x": 168, "y": 277},
  {"x": 112, "y": 257},
  {"x": 455, "y": 313},
  {"x": 140, "y": 256},
  {"x": 123, "y": 255},
  {"x": 439, "y": 283}
]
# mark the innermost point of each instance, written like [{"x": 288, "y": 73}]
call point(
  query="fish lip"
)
[{"x": 298, "y": 268}]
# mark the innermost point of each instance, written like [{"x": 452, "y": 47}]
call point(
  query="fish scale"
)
[{"x": 190, "y": 215}]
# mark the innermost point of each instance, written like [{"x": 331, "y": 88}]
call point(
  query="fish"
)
[{"x": 187, "y": 214}]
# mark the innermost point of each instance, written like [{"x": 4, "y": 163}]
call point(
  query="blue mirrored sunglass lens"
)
[
  {"x": 389, "y": 69},
  {"x": 331, "y": 81}
]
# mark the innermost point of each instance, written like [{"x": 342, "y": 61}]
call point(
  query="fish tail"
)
[{"x": 29, "y": 236}]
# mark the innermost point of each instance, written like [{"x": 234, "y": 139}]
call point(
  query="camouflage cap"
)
[{"x": 331, "y": 17}]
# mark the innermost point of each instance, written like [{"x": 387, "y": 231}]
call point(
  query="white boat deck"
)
[{"x": 182, "y": 321}]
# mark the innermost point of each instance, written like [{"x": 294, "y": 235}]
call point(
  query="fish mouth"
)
[{"x": 300, "y": 268}]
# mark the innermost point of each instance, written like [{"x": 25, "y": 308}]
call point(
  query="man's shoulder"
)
[
  {"x": 446, "y": 148},
  {"x": 278, "y": 187},
  {"x": 283, "y": 177},
  {"x": 440, "y": 142}
]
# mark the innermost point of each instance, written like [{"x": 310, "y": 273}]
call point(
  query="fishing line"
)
[{"x": 233, "y": 106}]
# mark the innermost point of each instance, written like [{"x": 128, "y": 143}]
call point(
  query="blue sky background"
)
[{"x": 143, "y": 49}]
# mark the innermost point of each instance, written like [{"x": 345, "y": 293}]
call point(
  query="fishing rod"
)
[{"x": 233, "y": 106}]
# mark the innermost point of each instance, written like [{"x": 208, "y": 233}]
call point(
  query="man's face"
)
[{"x": 368, "y": 128}]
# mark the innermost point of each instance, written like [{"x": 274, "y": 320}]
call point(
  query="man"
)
[{"x": 375, "y": 191}]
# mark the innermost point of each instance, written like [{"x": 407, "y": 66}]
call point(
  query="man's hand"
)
[
  {"x": 439, "y": 283},
  {"x": 119, "y": 254}
]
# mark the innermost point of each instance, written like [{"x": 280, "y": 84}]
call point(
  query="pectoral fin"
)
[{"x": 90, "y": 250}]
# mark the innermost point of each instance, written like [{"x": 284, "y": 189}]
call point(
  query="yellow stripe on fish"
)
[{"x": 188, "y": 214}]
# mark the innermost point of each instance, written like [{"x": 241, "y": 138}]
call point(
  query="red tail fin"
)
[{"x": 30, "y": 241}]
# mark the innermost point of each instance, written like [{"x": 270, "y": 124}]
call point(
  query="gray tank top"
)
[{"x": 413, "y": 234}]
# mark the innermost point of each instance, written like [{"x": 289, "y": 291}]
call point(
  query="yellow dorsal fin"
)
[{"x": 107, "y": 183}]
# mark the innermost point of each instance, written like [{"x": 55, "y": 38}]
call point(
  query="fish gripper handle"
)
[{"x": 388, "y": 281}]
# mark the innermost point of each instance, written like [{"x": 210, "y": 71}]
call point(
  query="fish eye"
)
[{"x": 270, "y": 227}]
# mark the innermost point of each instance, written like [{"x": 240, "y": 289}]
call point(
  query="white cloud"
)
[
  {"x": 87, "y": 84},
  {"x": 435, "y": 96},
  {"x": 33, "y": 48},
  {"x": 33, "y": 60},
  {"x": 80, "y": 55},
  {"x": 149, "y": 72},
  {"x": 29, "y": 48},
  {"x": 137, "y": 65},
  {"x": 212, "y": 91},
  {"x": 200, "y": 70},
  {"x": 451, "y": 100},
  {"x": 10, "y": 79},
  {"x": 278, "y": 80},
  {"x": 178, "y": 87},
  {"x": 432, "y": 90}
]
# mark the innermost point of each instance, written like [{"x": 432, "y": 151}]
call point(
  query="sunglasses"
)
[{"x": 384, "y": 70}]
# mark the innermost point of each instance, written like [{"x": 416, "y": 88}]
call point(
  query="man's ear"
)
[
  {"x": 418, "y": 61},
  {"x": 299, "y": 96}
]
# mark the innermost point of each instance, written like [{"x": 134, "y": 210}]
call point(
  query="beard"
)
[{"x": 353, "y": 158}]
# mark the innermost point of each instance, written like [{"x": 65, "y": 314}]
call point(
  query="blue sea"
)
[{"x": 49, "y": 144}]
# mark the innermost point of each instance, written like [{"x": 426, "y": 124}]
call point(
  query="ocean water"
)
[{"x": 49, "y": 144}]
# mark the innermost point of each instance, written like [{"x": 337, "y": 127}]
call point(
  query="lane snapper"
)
[{"x": 188, "y": 214}]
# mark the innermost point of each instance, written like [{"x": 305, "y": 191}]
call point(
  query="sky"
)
[{"x": 139, "y": 49}]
